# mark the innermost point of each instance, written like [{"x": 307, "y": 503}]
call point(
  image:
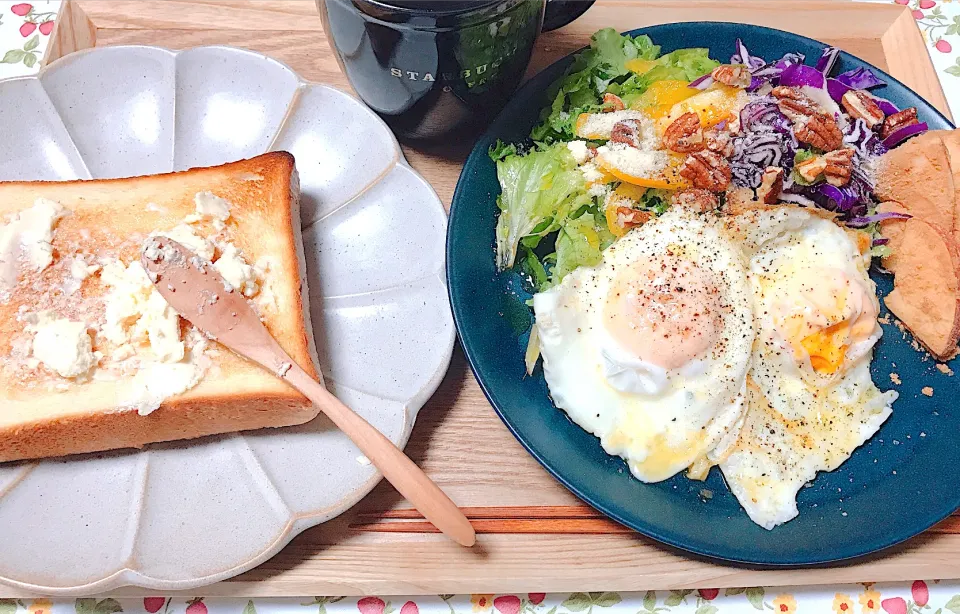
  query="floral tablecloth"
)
[
  {"x": 25, "y": 33},
  {"x": 913, "y": 598}
]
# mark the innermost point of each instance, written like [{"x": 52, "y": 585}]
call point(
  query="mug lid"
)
[
  {"x": 428, "y": 12},
  {"x": 432, "y": 6}
]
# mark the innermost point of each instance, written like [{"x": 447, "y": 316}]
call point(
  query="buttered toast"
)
[{"x": 91, "y": 356}]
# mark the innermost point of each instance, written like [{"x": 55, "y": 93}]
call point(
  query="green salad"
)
[{"x": 551, "y": 222}]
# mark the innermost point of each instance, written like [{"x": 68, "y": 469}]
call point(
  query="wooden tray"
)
[{"x": 536, "y": 535}]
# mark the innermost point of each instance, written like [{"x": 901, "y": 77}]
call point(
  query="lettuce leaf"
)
[
  {"x": 538, "y": 191},
  {"x": 694, "y": 62},
  {"x": 679, "y": 65},
  {"x": 656, "y": 201},
  {"x": 531, "y": 266},
  {"x": 500, "y": 150},
  {"x": 802, "y": 155},
  {"x": 581, "y": 242},
  {"x": 581, "y": 88}
]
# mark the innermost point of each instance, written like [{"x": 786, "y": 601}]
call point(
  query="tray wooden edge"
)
[{"x": 298, "y": 571}]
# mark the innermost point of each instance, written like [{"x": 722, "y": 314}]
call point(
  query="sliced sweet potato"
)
[
  {"x": 951, "y": 140},
  {"x": 892, "y": 231},
  {"x": 918, "y": 175},
  {"x": 926, "y": 294}
]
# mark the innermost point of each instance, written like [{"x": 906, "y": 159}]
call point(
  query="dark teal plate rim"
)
[{"x": 879, "y": 509}]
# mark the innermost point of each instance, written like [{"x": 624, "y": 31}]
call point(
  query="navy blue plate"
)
[{"x": 904, "y": 480}]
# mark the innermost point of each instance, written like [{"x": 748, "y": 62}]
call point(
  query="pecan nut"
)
[
  {"x": 839, "y": 166},
  {"x": 793, "y": 103},
  {"x": 894, "y": 122},
  {"x": 861, "y": 105},
  {"x": 627, "y": 132},
  {"x": 771, "y": 184},
  {"x": 719, "y": 142},
  {"x": 697, "y": 199},
  {"x": 734, "y": 75},
  {"x": 811, "y": 169},
  {"x": 612, "y": 102},
  {"x": 684, "y": 135},
  {"x": 628, "y": 217},
  {"x": 820, "y": 131},
  {"x": 706, "y": 170},
  {"x": 810, "y": 125}
]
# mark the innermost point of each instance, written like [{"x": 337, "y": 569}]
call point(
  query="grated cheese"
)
[
  {"x": 600, "y": 125},
  {"x": 632, "y": 161},
  {"x": 579, "y": 150},
  {"x": 591, "y": 174}
]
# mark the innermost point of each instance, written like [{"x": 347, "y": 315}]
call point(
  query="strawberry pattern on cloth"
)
[
  {"x": 917, "y": 597},
  {"x": 25, "y": 30},
  {"x": 939, "y": 23}
]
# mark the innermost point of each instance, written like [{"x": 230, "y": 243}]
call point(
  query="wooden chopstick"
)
[
  {"x": 519, "y": 511},
  {"x": 529, "y": 519}
]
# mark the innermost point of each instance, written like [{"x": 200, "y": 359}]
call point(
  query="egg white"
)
[
  {"x": 660, "y": 420},
  {"x": 799, "y": 420}
]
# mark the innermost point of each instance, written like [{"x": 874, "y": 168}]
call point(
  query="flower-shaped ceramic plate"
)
[{"x": 176, "y": 516}]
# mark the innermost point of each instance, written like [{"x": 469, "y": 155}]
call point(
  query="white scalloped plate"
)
[{"x": 180, "y": 515}]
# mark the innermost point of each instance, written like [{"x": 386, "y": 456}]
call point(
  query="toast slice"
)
[
  {"x": 91, "y": 360},
  {"x": 925, "y": 262},
  {"x": 918, "y": 175}
]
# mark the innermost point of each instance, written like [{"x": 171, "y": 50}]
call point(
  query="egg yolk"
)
[
  {"x": 827, "y": 347},
  {"x": 829, "y": 314},
  {"x": 665, "y": 310}
]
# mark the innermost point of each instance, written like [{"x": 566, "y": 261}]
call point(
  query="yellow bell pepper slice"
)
[
  {"x": 639, "y": 66},
  {"x": 669, "y": 179}
]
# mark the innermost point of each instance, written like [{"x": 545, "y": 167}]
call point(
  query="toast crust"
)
[
  {"x": 181, "y": 419},
  {"x": 235, "y": 394}
]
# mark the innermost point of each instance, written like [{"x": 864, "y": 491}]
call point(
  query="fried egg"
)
[
  {"x": 649, "y": 350},
  {"x": 811, "y": 400}
]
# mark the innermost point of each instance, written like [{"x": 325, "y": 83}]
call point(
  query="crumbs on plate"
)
[{"x": 926, "y": 391}]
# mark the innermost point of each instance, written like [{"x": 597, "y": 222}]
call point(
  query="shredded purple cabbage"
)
[
  {"x": 702, "y": 83},
  {"x": 859, "y": 79},
  {"x": 827, "y": 60},
  {"x": 836, "y": 89},
  {"x": 904, "y": 133},
  {"x": 742, "y": 56},
  {"x": 861, "y": 222},
  {"x": 766, "y": 135},
  {"x": 799, "y": 75},
  {"x": 761, "y": 71},
  {"x": 755, "y": 151},
  {"x": 765, "y": 140},
  {"x": 863, "y": 139},
  {"x": 886, "y": 106},
  {"x": 850, "y": 201},
  {"x": 762, "y": 114},
  {"x": 773, "y": 71}
]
